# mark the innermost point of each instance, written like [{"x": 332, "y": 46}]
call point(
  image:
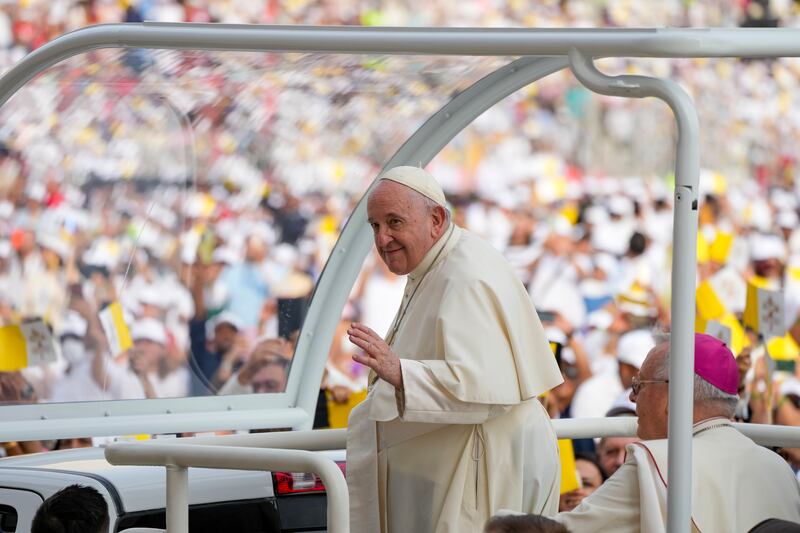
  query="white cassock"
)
[
  {"x": 736, "y": 484},
  {"x": 468, "y": 435}
]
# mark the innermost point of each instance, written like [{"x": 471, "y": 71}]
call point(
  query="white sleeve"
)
[
  {"x": 424, "y": 399},
  {"x": 123, "y": 383},
  {"x": 612, "y": 507},
  {"x": 232, "y": 386}
]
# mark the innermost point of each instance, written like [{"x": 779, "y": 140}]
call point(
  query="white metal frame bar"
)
[
  {"x": 294, "y": 451},
  {"x": 684, "y": 265},
  {"x": 178, "y": 458},
  {"x": 566, "y": 428},
  {"x": 124, "y": 417},
  {"x": 282, "y": 450}
]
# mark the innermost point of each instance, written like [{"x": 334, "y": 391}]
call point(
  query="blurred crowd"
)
[{"x": 204, "y": 192}]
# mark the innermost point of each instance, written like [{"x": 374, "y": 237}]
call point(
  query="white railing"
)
[
  {"x": 566, "y": 428},
  {"x": 178, "y": 458},
  {"x": 294, "y": 451},
  {"x": 625, "y": 426}
]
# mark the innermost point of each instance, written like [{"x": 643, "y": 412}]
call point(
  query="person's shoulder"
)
[
  {"x": 652, "y": 445},
  {"x": 471, "y": 241},
  {"x": 474, "y": 258}
]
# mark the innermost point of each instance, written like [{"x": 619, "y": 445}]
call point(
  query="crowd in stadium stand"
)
[{"x": 208, "y": 213}]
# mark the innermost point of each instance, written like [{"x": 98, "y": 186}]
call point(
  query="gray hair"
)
[
  {"x": 430, "y": 204},
  {"x": 704, "y": 392}
]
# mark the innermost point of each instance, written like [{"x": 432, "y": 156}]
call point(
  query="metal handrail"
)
[
  {"x": 294, "y": 451},
  {"x": 566, "y": 428},
  {"x": 178, "y": 458},
  {"x": 625, "y": 426}
]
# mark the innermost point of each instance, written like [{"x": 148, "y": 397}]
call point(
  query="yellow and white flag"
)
[
  {"x": 730, "y": 288},
  {"x": 570, "y": 480},
  {"x": 25, "y": 345},
  {"x": 718, "y": 250},
  {"x": 115, "y": 328},
  {"x": 714, "y": 318},
  {"x": 720, "y": 331},
  {"x": 726, "y": 328},
  {"x": 709, "y": 306},
  {"x": 764, "y": 311}
]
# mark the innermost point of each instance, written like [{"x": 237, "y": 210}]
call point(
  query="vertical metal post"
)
[
  {"x": 684, "y": 265},
  {"x": 681, "y": 351},
  {"x": 177, "y": 499}
]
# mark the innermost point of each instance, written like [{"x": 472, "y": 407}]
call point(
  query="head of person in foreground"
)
[
  {"x": 523, "y": 523},
  {"x": 716, "y": 379},
  {"x": 73, "y": 509},
  {"x": 407, "y": 215}
]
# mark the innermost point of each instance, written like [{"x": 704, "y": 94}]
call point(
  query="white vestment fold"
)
[
  {"x": 467, "y": 435},
  {"x": 736, "y": 484}
]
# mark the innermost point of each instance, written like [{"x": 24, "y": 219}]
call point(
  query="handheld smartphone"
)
[
  {"x": 556, "y": 347},
  {"x": 546, "y": 316}
]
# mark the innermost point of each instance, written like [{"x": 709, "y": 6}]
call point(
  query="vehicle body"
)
[{"x": 219, "y": 500}]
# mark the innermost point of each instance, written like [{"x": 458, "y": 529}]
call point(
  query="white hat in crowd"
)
[
  {"x": 73, "y": 324},
  {"x": 54, "y": 243},
  {"x": 150, "y": 295},
  {"x": 227, "y": 317},
  {"x": 622, "y": 406},
  {"x": 149, "y": 329},
  {"x": 767, "y": 246},
  {"x": 633, "y": 347},
  {"x": 787, "y": 219},
  {"x": 225, "y": 255}
]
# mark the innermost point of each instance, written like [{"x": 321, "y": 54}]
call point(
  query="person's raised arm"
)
[
  {"x": 428, "y": 400},
  {"x": 196, "y": 288},
  {"x": 95, "y": 341},
  {"x": 581, "y": 357}
]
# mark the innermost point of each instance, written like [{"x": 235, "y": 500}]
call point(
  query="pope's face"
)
[
  {"x": 404, "y": 228},
  {"x": 652, "y": 401}
]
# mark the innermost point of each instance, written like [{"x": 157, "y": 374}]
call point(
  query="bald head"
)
[{"x": 405, "y": 224}]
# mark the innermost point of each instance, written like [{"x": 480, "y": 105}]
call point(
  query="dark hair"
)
[
  {"x": 73, "y": 509},
  {"x": 637, "y": 243},
  {"x": 775, "y": 525},
  {"x": 523, "y": 523},
  {"x": 591, "y": 458}
]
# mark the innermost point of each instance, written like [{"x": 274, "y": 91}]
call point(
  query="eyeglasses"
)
[{"x": 637, "y": 384}]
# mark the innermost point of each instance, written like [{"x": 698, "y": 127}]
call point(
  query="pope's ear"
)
[{"x": 439, "y": 216}]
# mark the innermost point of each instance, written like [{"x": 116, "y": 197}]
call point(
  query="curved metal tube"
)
[
  {"x": 347, "y": 256},
  {"x": 178, "y": 457},
  {"x": 684, "y": 266},
  {"x": 670, "y": 42},
  {"x": 566, "y": 428}
]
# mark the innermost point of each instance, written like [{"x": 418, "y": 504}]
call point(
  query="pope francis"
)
[{"x": 451, "y": 429}]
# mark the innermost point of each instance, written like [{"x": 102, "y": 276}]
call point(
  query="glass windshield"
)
[{"x": 165, "y": 215}]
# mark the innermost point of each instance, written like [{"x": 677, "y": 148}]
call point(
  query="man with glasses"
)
[{"x": 736, "y": 483}]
